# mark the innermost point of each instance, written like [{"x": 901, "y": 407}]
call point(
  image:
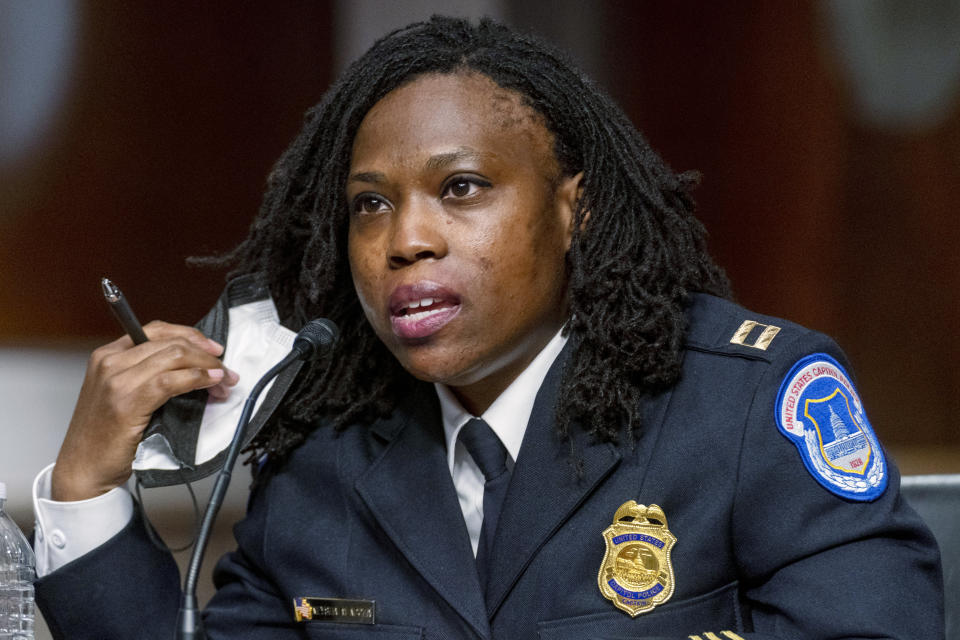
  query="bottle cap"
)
[{"x": 3, "y": 491}]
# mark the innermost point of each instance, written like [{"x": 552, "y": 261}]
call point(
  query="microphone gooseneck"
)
[{"x": 317, "y": 336}]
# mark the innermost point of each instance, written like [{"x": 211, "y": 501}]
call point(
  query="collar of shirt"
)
[{"x": 510, "y": 412}]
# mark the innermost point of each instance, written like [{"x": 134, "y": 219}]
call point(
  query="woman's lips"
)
[{"x": 421, "y": 309}]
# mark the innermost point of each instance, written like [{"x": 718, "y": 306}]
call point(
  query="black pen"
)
[{"x": 121, "y": 309}]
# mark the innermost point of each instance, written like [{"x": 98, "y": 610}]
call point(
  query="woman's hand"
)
[{"x": 123, "y": 386}]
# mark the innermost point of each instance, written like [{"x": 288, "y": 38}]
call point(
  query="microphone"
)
[{"x": 317, "y": 336}]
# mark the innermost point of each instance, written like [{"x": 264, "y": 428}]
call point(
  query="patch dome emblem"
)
[
  {"x": 637, "y": 574},
  {"x": 819, "y": 410}
]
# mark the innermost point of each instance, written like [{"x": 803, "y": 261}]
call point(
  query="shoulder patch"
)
[{"x": 819, "y": 410}]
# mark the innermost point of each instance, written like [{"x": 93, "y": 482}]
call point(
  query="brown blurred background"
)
[
  {"x": 828, "y": 135},
  {"x": 169, "y": 116}
]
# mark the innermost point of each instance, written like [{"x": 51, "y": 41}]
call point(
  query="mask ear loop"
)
[{"x": 151, "y": 530}]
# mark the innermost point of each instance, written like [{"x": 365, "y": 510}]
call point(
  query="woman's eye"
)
[
  {"x": 463, "y": 187},
  {"x": 369, "y": 204}
]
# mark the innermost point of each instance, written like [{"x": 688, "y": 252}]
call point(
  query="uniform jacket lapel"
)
[
  {"x": 409, "y": 490},
  {"x": 545, "y": 489}
]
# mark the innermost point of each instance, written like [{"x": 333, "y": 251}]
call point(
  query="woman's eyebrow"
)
[
  {"x": 441, "y": 160},
  {"x": 435, "y": 162},
  {"x": 374, "y": 177}
]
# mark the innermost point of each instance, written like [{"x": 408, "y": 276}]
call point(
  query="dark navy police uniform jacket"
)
[{"x": 775, "y": 536}]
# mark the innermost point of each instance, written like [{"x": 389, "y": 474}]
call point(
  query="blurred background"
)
[{"x": 134, "y": 135}]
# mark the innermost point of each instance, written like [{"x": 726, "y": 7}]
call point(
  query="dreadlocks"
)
[{"x": 636, "y": 252}]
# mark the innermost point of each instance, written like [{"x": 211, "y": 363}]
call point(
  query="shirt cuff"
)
[{"x": 64, "y": 531}]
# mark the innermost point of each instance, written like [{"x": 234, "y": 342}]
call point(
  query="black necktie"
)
[{"x": 488, "y": 452}]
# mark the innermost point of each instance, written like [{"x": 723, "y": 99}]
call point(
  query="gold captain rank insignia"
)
[{"x": 637, "y": 574}]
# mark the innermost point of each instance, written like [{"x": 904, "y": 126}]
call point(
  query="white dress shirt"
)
[
  {"x": 67, "y": 530},
  {"x": 507, "y": 416},
  {"x": 64, "y": 531}
]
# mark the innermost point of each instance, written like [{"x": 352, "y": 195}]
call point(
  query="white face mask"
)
[{"x": 186, "y": 435}]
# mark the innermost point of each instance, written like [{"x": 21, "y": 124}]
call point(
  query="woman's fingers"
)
[{"x": 123, "y": 386}]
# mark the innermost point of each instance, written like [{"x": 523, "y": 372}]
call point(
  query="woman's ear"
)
[{"x": 569, "y": 193}]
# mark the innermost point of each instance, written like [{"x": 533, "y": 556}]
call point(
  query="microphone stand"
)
[
  {"x": 189, "y": 623},
  {"x": 316, "y": 335}
]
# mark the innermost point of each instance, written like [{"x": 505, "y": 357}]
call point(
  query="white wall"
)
[{"x": 38, "y": 388}]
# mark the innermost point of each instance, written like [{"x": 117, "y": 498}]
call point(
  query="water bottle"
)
[{"x": 17, "y": 571}]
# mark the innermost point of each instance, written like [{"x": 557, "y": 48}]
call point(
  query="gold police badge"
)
[{"x": 637, "y": 574}]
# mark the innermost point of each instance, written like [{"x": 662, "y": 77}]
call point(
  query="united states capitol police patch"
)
[{"x": 819, "y": 410}]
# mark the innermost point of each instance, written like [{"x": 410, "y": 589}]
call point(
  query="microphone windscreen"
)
[{"x": 317, "y": 336}]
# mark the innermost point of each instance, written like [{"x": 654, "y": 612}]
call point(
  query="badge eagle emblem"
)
[{"x": 637, "y": 574}]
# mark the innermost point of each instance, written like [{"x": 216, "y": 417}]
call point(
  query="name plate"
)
[{"x": 335, "y": 610}]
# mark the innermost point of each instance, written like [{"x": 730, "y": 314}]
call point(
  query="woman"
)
[{"x": 475, "y": 214}]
